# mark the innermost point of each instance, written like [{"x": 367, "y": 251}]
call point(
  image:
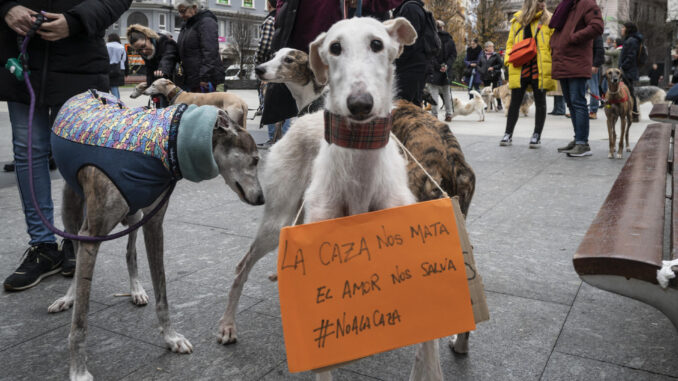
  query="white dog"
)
[
  {"x": 477, "y": 105},
  {"x": 488, "y": 97},
  {"x": 356, "y": 58}
]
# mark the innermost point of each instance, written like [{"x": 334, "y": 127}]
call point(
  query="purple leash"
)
[{"x": 31, "y": 186}]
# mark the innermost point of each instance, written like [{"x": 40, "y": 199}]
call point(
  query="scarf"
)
[
  {"x": 560, "y": 15},
  {"x": 371, "y": 135}
]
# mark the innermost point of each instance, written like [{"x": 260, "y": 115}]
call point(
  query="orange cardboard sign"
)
[{"x": 364, "y": 284}]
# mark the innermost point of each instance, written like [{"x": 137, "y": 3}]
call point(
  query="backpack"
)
[
  {"x": 642, "y": 54},
  {"x": 429, "y": 32}
]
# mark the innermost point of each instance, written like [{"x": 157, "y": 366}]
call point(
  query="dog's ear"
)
[
  {"x": 226, "y": 124},
  {"x": 316, "y": 61},
  {"x": 401, "y": 31}
]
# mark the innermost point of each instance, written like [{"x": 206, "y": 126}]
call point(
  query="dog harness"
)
[
  {"x": 372, "y": 135},
  {"x": 617, "y": 101},
  {"x": 140, "y": 150}
]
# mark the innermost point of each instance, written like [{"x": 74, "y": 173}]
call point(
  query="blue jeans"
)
[
  {"x": 271, "y": 128},
  {"x": 115, "y": 90},
  {"x": 593, "y": 85},
  {"x": 574, "y": 91},
  {"x": 42, "y": 129},
  {"x": 559, "y": 105}
]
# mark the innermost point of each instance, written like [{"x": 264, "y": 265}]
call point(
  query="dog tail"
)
[{"x": 475, "y": 94}]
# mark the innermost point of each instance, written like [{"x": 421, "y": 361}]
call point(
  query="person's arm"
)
[
  {"x": 94, "y": 16},
  {"x": 452, "y": 56},
  {"x": 598, "y": 52},
  {"x": 169, "y": 57},
  {"x": 411, "y": 13},
  {"x": 264, "y": 47},
  {"x": 509, "y": 42},
  {"x": 593, "y": 28},
  {"x": 209, "y": 46}
]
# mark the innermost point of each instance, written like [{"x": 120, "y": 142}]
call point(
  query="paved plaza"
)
[{"x": 529, "y": 213}]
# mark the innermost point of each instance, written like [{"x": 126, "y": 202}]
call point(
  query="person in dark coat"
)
[
  {"x": 66, "y": 56},
  {"x": 490, "y": 65},
  {"x": 412, "y": 65},
  {"x": 471, "y": 75},
  {"x": 198, "y": 48},
  {"x": 628, "y": 59},
  {"x": 312, "y": 18},
  {"x": 438, "y": 80},
  {"x": 158, "y": 52},
  {"x": 655, "y": 75}
]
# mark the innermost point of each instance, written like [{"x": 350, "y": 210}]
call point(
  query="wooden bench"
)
[{"x": 637, "y": 226}]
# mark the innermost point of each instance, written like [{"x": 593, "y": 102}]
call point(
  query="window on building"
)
[
  {"x": 162, "y": 22},
  {"x": 222, "y": 28},
  {"x": 137, "y": 18},
  {"x": 248, "y": 3},
  {"x": 224, "y": 2}
]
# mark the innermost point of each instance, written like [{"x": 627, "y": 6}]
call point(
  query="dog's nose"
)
[
  {"x": 259, "y": 70},
  {"x": 360, "y": 104},
  {"x": 260, "y": 199}
]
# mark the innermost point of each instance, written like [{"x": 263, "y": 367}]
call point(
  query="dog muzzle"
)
[{"x": 344, "y": 133}]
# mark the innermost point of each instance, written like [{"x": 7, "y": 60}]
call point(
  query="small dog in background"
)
[
  {"x": 504, "y": 93},
  {"x": 652, "y": 94},
  {"x": 476, "y": 104},
  {"x": 488, "y": 96}
]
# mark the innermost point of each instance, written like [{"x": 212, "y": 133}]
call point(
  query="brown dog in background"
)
[{"x": 619, "y": 106}]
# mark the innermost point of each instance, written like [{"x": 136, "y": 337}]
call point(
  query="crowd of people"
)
[{"x": 569, "y": 58}]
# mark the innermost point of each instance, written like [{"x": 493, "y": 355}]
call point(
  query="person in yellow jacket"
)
[{"x": 531, "y": 21}]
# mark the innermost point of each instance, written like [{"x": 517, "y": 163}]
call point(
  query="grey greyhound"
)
[{"x": 234, "y": 156}]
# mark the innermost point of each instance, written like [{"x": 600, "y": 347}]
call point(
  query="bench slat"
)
[
  {"x": 626, "y": 236},
  {"x": 674, "y": 207}
]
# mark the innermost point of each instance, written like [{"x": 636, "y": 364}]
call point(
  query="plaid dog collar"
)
[{"x": 371, "y": 135}]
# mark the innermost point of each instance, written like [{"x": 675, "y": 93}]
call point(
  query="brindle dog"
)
[
  {"x": 236, "y": 156},
  {"x": 619, "y": 106}
]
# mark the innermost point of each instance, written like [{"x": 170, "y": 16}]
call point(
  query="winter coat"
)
[
  {"x": 544, "y": 59},
  {"x": 447, "y": 56},
  {"x": 413, "y": 58},
  {"x": 61, "y": 69},
  {"x": 484, "y": 64},
  {"x": 628, "y": 59},
  {"x": 165, "y": 58},
  {"x": 472, "y": 57},
  {"x": 116, "y": 57},
  {"x": 198, "y": 48},
  {"x": 572, "y": 46}
]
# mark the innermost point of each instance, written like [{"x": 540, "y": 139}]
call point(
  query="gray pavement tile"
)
[
  {"x": 281, "y": 373},
  {"x": 249, "y": 359},
  {"x": 110, "y": 356},
  {"x": 195, "y": 310},
  {"x": 611, "y": 328},
  {"x": 562, "y": 367},
  {"x": 24, "y": 315}
]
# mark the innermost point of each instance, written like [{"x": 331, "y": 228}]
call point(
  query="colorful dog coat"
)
[{"x": 141, "y": 150}]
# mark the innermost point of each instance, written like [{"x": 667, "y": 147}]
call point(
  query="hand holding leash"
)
[
  {"x": 20, "y": 19},
  {"x": 55, "y": 29}
]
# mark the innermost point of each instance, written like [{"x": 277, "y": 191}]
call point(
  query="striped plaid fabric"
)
[
  {"x": 264, "y": 52},
  {"x": 371, "y": 135}
]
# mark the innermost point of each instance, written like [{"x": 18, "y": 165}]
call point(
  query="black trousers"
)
[
  {"x": 629, "y": 83},
  {"x": 410, "y": 85},
  {"x": 517, "y": 99}
]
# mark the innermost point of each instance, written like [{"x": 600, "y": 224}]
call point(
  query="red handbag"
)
[{"x": 524, "y": 51}]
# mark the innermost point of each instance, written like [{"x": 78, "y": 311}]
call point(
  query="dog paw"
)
[
  {"x": 61, "y": 304},
  {"x": 610, "y": 155},
  {"x": 273, "y": 277},
  {"x": 138, "y": 295},
  {"x": 81, "y": 376},
  {"x": 178, "y": 343},
  {"x": 628, "y": 149},
  {"x": 619, "y": 155},
  {"x": 227, "y": 334}
]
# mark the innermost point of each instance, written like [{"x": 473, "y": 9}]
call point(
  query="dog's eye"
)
[
  {"x": 288, "y": 60},
  {"x": 376, "y": 46},
  {"x": 335, "y": 48}
]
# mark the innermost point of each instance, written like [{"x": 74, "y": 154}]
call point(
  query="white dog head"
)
[{"x": 356, "y": 57}]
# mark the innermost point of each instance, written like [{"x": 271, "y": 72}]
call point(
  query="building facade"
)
[{"x": 162, "y": 17}]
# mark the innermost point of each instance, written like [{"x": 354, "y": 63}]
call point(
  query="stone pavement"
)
[{"x": 530, "y": 211}]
